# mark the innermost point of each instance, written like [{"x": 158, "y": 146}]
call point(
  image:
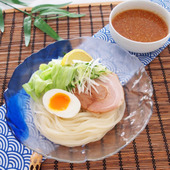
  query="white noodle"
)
[{"x": 85, "y": 127}]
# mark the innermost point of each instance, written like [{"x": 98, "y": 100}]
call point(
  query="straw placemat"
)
[{"x": 150, "y": 150}]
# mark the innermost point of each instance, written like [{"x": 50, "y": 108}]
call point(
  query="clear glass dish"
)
[{"x": 132, "y": 75}]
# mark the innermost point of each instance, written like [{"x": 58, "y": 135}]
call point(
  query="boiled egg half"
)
[{"x": 61, "y": 103}]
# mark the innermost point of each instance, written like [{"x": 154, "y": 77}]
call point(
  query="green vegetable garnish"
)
[{"x": 81, "y": 75}]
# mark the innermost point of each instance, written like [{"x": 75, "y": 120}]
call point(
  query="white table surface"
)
[{"x": 38, "y": 2}]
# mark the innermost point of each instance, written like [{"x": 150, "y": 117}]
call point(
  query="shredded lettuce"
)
[{"x": 80, "y": 75}]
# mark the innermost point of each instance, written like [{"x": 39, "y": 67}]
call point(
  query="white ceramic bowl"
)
[{"x": 135, "y": 46}]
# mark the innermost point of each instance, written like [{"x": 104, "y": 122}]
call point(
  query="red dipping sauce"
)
[{"x": 140, "y": 25}]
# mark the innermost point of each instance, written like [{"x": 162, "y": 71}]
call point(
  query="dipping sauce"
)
[{"x": 140, "y": 25}]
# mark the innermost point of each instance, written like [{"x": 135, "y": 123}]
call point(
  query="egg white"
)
[{"x": 72, "y": 109}]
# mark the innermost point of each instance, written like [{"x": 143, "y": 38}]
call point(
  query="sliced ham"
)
[{"x": 110, "y": 96}]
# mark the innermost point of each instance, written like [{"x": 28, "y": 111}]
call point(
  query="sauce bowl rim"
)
[{"x": 143, "y": 1}]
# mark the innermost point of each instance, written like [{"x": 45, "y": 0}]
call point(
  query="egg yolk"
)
[{"x": 59, "y": 102}]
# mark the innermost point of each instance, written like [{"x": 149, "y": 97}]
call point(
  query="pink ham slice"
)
[{"x": 109, "y": 97}]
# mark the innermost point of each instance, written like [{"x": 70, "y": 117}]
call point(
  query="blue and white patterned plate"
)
[{"x": 126, "y": 66}]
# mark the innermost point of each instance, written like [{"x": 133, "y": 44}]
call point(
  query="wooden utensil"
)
[{"x": 35, "y": 161}]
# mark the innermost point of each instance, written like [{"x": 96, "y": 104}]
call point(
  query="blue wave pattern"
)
[
  {"x": 13, "y": 155},
  {"x": 145, "y": 58}
]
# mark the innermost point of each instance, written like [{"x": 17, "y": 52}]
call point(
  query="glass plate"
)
[{"x": 132, "y": 75}]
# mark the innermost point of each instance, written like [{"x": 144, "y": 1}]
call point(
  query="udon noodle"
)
[{"x": 81, "y": 129}]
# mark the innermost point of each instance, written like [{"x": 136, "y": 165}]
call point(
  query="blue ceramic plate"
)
[{"x": 133, "y": 77}]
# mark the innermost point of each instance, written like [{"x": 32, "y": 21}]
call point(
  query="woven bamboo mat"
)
[{"x": 150, "y": 150}]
